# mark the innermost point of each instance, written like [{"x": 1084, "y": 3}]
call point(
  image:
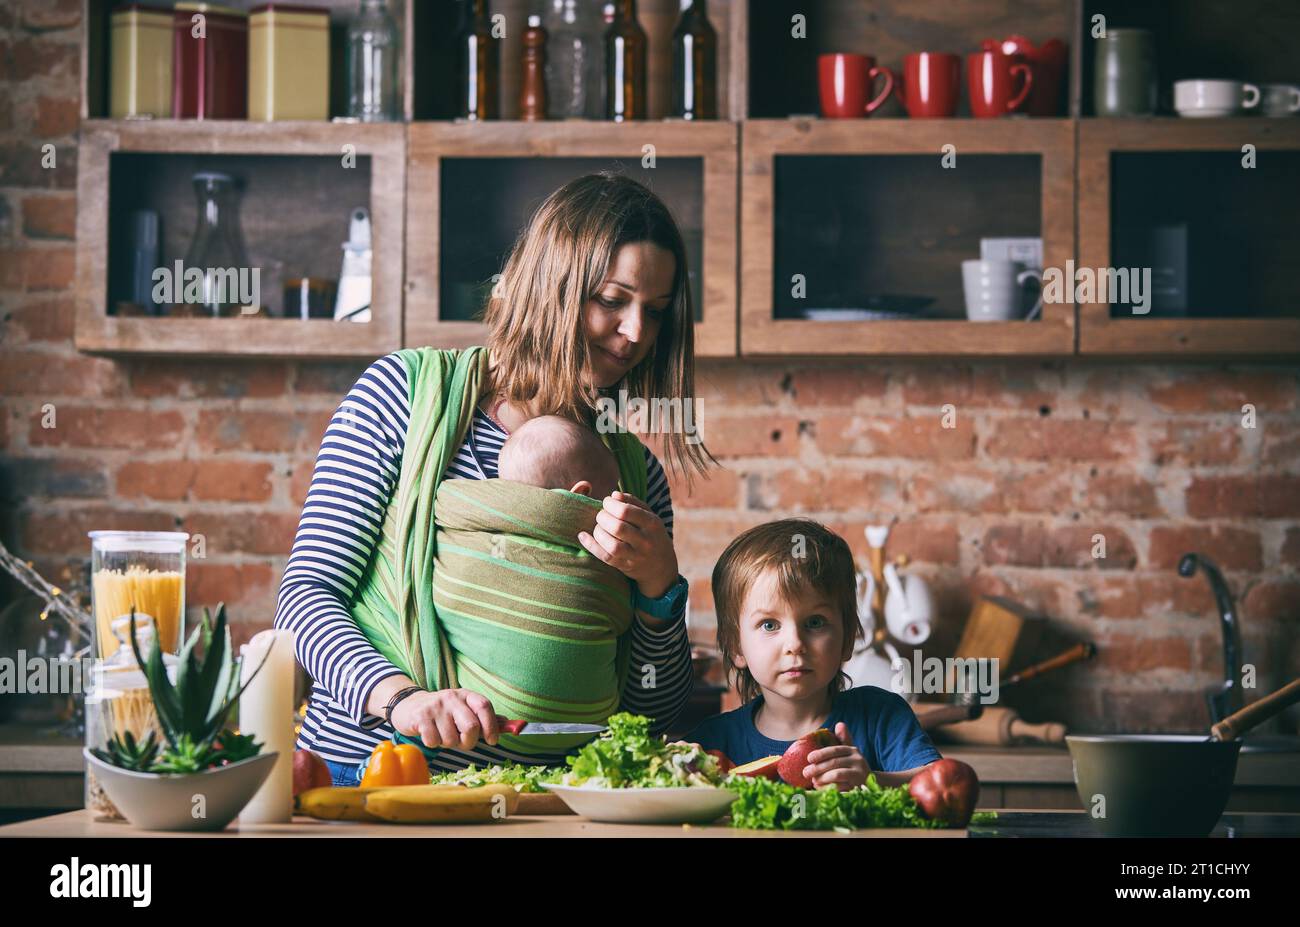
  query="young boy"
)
[{"x": 785, "y": 595}]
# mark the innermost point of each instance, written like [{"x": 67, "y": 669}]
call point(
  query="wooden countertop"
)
[{"x": 81, "y": 823}]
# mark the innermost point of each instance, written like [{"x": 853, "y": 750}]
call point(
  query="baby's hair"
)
[
  {"x": 555, "y": 453},
  {"x": 806, "y": 555}
]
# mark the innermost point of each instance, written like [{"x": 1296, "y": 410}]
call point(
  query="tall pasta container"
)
[
  {"x": 140, "y": 570},
  {"x": 140, "y": 61},
  {"x": 140, "y": 573}
]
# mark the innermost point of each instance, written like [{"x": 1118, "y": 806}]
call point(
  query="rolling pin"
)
[
  {"x": 999, "y": 727},
  {"x": 932, "y": 714}
]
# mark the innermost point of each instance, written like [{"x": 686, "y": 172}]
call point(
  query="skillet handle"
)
[{"x": 1257, "y": 713}]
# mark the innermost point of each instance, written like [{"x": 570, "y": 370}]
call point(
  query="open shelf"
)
[
  {"x": 903, "y": 221},
  {"x": 1247, "y": 40},
  {"x": 96, "y": 63},
  {"x": 471, "y": 187},
  {"x": 782, "y": 68},
  {"x": 293, "y": 212},
  {"x": 433, "y": 24},
  {"x": 1232, "y": 230}
]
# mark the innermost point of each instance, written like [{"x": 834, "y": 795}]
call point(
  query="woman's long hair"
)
[{"x": 535, "y": 314}]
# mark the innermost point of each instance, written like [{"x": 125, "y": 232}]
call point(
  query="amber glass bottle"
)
[
  {"x": 695, "y": 64},
  {"x": 478, "y": 70},
  {"x": 625, "y": 65}
]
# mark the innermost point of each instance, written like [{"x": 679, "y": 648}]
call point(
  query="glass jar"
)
[
  {"x": 118, "y": 703},
  {"x": 140, "y": 570},
  {"x": 372, "y": 64}
]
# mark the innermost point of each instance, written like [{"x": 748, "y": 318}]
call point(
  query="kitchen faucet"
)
[{"x": 1226, "y": 698}]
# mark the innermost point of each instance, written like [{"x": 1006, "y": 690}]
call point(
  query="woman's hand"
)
[
  {"x": 632, "y": 539},
  {"x": 455, "y": 718},
  {"x": 842, "y": 766}
]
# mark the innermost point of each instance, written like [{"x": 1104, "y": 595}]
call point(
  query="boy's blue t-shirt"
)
[{"x": 881, "y": 724}]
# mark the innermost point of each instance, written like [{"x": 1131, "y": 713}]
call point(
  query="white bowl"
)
[
  {"x": 156, "y": 801},
  {"x": 688, "y": 805}
]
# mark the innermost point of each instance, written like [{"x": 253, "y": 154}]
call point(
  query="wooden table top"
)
[{"x": 81, "y": 823}]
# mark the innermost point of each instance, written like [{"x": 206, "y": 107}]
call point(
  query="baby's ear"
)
[{"x": 581, "y": 488}]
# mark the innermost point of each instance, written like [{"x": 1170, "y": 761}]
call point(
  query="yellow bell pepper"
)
[{"x": 400, "y": 764}]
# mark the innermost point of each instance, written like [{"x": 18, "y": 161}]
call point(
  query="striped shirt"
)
[{"x": 355, "y": 476}]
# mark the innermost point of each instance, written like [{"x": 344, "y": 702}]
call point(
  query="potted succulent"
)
[{"x": 201, "y": 774}]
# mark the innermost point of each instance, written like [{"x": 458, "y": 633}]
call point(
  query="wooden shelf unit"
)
[
  {"x": 765, "y": 140},
  {"x": 99, "y": 332},
  {"x": 432, "y": 143},
  {"x": 1102, "y": 335},
  {"x": 738, "y": 154}
]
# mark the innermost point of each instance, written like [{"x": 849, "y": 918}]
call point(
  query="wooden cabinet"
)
[
  {"x": 1227, "y": 191},
  {"x": 470, "y": 188},
  {"x": 906, "y": 201},
  {"x": 300, "y": 182},
  {"x": 863, "y": 210}
]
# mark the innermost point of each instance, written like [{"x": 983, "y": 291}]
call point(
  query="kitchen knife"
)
[{"x": 525, "y": 728}]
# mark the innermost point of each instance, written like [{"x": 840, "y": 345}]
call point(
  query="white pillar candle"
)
[{"x": 266, "y": 712}]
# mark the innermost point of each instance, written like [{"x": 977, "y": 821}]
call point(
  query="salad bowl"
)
[{"x": 688, "y": 805}]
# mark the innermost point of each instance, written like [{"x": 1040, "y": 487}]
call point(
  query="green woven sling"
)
[{"x": 482, "y": 584}]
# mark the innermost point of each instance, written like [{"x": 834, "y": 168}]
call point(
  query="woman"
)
[{"x": 593, "y": 300}]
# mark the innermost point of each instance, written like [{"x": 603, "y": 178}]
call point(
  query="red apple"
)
[
  {"x": 947, "y": 791},
  {"x": 764, "y": 768},
  {"x": 309, "y": 772},
  {"x": 724, "y": 763},
  {"x": 796, "y": 756}
]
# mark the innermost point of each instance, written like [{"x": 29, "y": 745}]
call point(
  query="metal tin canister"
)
[
  {"x": 140, "y": 55},
  {"x": 1124, "y": 77},
  {"x": 288, "y": 62},
  {"x": 210, "y": 65}
]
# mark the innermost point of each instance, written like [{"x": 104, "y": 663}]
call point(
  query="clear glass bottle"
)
[
  {"x": 217, "y": 251},
  {"x": 373, "y": 46},
  {"x": 574, "y": 60}
]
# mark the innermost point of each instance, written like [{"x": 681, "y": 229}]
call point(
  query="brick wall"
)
[{"x": 1043, "y": 456}]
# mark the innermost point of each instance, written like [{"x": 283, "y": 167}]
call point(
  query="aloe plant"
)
[{"x": 192, "y": 712}]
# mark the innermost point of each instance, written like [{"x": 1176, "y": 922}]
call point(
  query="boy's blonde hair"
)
[
  {"x": 557, "y": 264},
  {"x": 826, "y": 567}
]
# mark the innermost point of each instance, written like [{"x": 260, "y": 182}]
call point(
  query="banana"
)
[
  {"x": 346, "y": 803},
  {"x": 432, "y": 804},
  {"x": 334, "y": 803}
]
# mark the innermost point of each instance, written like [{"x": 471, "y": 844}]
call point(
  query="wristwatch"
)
[{"x": 667, "y": 604}]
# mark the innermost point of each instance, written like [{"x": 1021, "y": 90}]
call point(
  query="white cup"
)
[
  {"x": 1210, "y": 98},
  {"x": 1280, "y": 100},
  {"x": 994, "y": 290}
]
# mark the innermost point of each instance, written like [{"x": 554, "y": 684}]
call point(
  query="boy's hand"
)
[{"x": 842, "y": 766}]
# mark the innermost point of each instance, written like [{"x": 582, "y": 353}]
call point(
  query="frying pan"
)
[{"x": 1166, "y": 785}]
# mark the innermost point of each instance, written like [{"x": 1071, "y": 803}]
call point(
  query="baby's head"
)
[
  {"x": 786, "y": 596},
  {"x": 555, "y": 453}
]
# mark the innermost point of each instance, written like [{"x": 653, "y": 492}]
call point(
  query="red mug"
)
[
  {"x": 931, "y": 84},
  {"x": 991, "y": 79},
  {"x": 845, "y": 81}
]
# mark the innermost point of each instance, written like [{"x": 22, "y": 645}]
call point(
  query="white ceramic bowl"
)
[
  {"x": 647, "y": 806},
  {"x": 153, "y": 801}
]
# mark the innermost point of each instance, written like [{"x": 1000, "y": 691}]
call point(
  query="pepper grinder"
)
[{"x": 532, "y": 93}]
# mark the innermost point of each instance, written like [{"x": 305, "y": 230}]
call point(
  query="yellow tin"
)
[
  {"x": 288, "y": 62},
  {"x": 140, "y": 62}
]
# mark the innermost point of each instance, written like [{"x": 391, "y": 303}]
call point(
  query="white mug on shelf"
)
[
  {"x": 994, "y": 290},
  {"x": 1212, "y": 98},
  {"x": 1280, "y": 99}
]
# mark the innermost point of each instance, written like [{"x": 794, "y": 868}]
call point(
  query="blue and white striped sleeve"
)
[
  {"x": 660, "y": 674},
  {"x": 355, "y": 476}
]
